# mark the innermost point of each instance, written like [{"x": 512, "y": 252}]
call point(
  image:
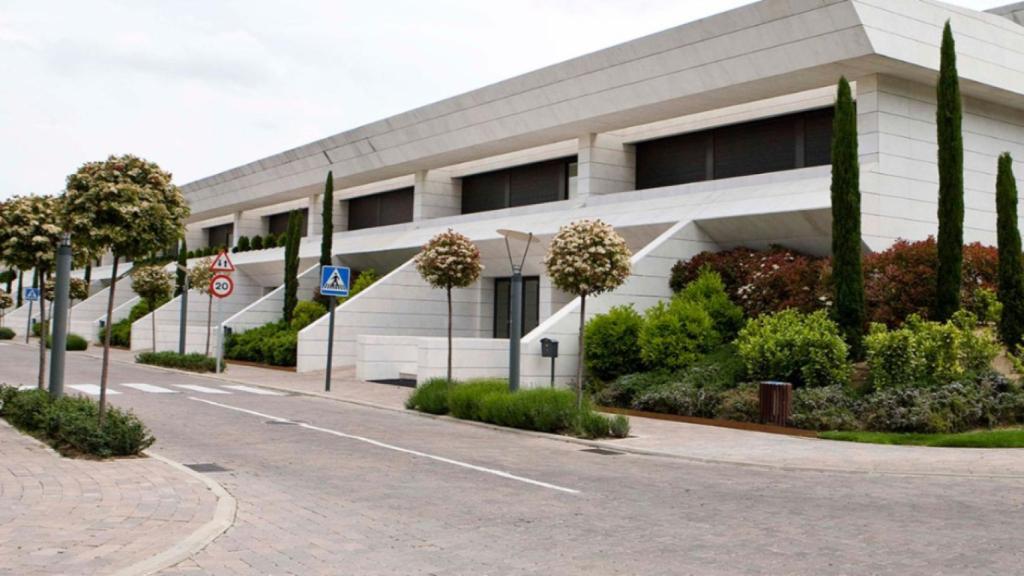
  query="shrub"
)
[
  {"x": 804, "y": 349},
  {"x": 275, "y": 343},
  {"x": 762, "y": 281},
  {"x": 951, "y": 408},
  {"x": 282, "y": 348},
  {"x": 243, "y": 244},
  {"x": 465, "y": 400},
  {"x": 924, "y": 353},
  {"x": 679, "y": 397},
  {"x": 26, "y": 409},
  {"x": 620, "y": 426},
  {"x": 612, "y": 341},
  {"x": 430, "y": 397},
  {"x": 541, "y": 409},
  {"x": 590, "y": 424},
  {"x": 676, "y": 334},
  {"x": 741, "y": 404},
  {"x": 708, "y": 291},
  {"x": 74, "y": 343},
  {"x": 985, "y": 305},
  {"x": 624, "y": 389},
  {"x": 6, "y": 333},
  {"x": 825, "y": 408},
  {"x": 257, "y": 243},
  {"x": 306, "y": 313},
  {"x": 270, "y": 241},
  {"x": 194, "y": 362}
]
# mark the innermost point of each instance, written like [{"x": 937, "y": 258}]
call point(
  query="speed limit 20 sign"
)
[{"x": 221, "y": 286}]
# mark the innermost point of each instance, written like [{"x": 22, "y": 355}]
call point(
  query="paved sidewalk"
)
[
  {"x": 694, "y": 441},
  {"x": 69, "y": 516}
]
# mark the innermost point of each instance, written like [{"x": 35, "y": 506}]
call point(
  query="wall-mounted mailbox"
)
[{"x": 548, "y": 348}]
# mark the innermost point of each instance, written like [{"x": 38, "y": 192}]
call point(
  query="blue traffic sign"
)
[
  {"x": 334, "y": 280},
  {"x": 32, "y": 294}
]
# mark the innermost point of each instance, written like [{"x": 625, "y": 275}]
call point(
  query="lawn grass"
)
[{"x": 1000, "y": 438}]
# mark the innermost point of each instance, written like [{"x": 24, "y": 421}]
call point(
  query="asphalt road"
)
[{"x": 331, "y": 488}]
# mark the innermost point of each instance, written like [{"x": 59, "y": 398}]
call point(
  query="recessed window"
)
[
  {"x": 220, "y": 236},
  {"x": 536, "y": 183},
  {"x": 277, "y": 224},
  {"x": 383, "y": 209}
]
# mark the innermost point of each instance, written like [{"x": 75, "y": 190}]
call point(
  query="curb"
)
[
  {"x": 608, "y": 445},
  {"x": 223, "y": 518}
]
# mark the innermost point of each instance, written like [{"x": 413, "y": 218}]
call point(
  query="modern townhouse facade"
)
[{"x": 705, "y": 136}]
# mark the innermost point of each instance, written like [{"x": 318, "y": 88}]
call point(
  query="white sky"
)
[{"x": 201, "y": 86}]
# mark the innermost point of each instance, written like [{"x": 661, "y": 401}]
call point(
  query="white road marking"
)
[
  {"x": 395, "y": 448},
  {"x": 202, "y": 389},
  {"x": 254, "y": 390},
  {"x": 152, "y": 389},
  {"x": 27, "y": 387},
  {"x": 92, "y": 389}
]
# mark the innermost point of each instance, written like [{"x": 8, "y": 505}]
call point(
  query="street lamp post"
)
[
  {"x": 62, "y": 286},
  {"x": 183, "y": 309},
  {"x": 516, "y": 313}
]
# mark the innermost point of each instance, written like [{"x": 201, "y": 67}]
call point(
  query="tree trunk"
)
[
  {"x": 42, "y": 337},
  {"x": 152, "y": 316},
  {"x": 105, "y": 370},
  {"x": 449, "y": 291},
  {"x": 582, "y": 353},
  {"x": 209, "y": 320}
]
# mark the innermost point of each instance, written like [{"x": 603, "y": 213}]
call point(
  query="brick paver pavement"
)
[{"x": 70, "y": 516}]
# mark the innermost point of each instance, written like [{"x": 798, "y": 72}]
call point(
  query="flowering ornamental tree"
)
[
  {"x": 30, "y": 238},
  {"x": 152, "y": 284},
  {"x": 130, "y": 207},
  {"x": 449, "y": 260},
  {"x": 6, "y": 302},
  {"x": 586, "y": 258},
  {"x": 78, "y": 290},
  {"x": 199, "y": 277}
]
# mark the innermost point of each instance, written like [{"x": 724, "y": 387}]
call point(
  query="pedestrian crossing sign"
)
[
  {"x": 334, "y": 280},
  {"x": 31, "y": 294}
]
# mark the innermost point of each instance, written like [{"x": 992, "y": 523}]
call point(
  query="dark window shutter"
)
[
  {"x": 818, "y": 137},
  {"x": 537, "y": 183},
  {"x": 674, "y": 160},
  {"x": 486, "y": 191},
  {"x": 755, "y": 147},
  {"x": 396, "y": 207},
  {"x": 362, "y": 212}
]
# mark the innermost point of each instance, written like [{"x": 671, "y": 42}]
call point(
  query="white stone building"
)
[{"x": 704, "y": 136}]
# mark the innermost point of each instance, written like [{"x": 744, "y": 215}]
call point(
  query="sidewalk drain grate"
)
[
  {"x": 602, "y": 451},
  {"x": 207, "y": 467}
]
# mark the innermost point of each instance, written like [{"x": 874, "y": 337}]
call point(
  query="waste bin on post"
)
[{"x": 776, "y": 399}]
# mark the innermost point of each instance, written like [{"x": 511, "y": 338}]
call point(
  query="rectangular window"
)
[
  {"x": 755, "y": 147},
  {"x": 503, "y": 305},
  {"x": 383, "y": 209},
  {"x": 536, "y": 183},
  {"x": 277, "y": 224},
  {"x": 220, "y": 236}
]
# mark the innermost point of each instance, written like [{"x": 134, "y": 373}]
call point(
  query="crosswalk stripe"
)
[
  {"x": 92, "y": 389},
  {"x": 202, "y": 389},
  {"x": 152, "y": 389},
  {"x": 254, "y": 390},
  {"x": 27, "y": 387}
]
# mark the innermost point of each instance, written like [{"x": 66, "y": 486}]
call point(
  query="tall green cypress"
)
[
  {"x": 951, "y": 182},
  {"x": 847, "y": 277},
  {"x": 291, "y": 264},
  {"x": 328, "y": 221},
  {"x": 1011, "y": 266},
  {"x": 179, "y": 279}
]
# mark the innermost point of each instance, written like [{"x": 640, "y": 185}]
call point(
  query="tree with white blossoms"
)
[
  {"x": 31, "y": 235},
  {"x": 152, "y": 284},
  {"x": 78, "y": 289},
  {"x": 126, "y": 205},
  {"x": 449, "y": 260},
  {"x": 587, "y": 258},
  {"x": 6, "y": 303},
  {"x": 199, "y": 277}
]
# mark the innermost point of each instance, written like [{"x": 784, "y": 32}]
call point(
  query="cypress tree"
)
[
  {"x": 848, "y": 279},
  {"x": 291, "y": 264},
  {"x": 951, "y": 182},
  {"x": 1011, "y": 266},
  {"x": 179, "y": 279},
  {"x": 327, "y": 217}
]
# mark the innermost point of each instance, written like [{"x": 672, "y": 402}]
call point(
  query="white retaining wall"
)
[
  {"x": 87, "y": 314},
  {"x": 270, "y": 307}
]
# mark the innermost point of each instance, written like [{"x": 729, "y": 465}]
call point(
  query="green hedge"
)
[
  {"x": 540, "y": 409},
  {"x": 194, "y": 362},
  {"x": 71, "y": 426},
  {"x": 74, "y": 343},
  {"x": 6, "y": 333},
  {"x": 805, "y": 349},
  {"x": 275, "y": 344},
  {"x": 121, "y": 331}
]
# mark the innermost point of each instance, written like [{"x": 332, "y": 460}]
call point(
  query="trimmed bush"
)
[
  {"x": 679, "y": 397},
  {"x": 708, "y": 291},
  {"x": 804, "y": 349},
  {"x": 243, "y": 244},
  {"x": 676, "y": 334},
  {"x": 6, "y": 333},
  {"x": 275, "y": 344},
  {"x": 257, "y": 243},
  {"x": 306, "y": 313},
  {"x": 194, "y": 362},
  {"x": 924, "y": 353},
  {"x": 430, "y": 397},
  {"x": 541, "y": 409},
  {"x": 624, "y": 389},
  {"x": 741, "y": 404},
  {"x": 612, "y": 341},
  {"x": 71, "y": 426},
  {"x": 465, "y": 401},
  {"x": 74, "y": 343},
  {"x": 825, "y": 408},
  {"x": 270, "y": 241}
]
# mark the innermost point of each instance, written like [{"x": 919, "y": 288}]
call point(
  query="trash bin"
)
[{"x": 776, "y": 399}]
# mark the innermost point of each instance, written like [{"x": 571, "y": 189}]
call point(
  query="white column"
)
[
  {"x": 246, "y": 224},
  {"x": 436, "y": 194},
  {"x": 605, "y": 165},
  {"x": 315, "y": 216}
]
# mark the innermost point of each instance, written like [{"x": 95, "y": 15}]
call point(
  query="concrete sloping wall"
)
[
  {"x": 270, "y": 307},
  {"x": 87, "y": 314}
]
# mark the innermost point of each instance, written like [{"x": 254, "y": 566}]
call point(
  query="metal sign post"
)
[
  {"x": 30, "y": 296},
  {"x": 334, "y": 281},
  {"x": 221, "y": 286}
]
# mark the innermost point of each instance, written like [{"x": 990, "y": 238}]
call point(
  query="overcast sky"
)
[{"x": 201, "y": 86}]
